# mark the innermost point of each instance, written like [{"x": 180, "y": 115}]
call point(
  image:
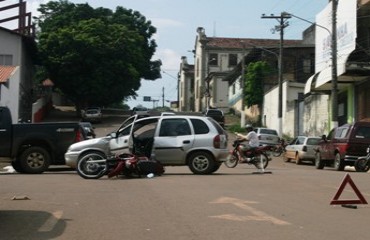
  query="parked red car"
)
[{"x": 343, "y": 146}]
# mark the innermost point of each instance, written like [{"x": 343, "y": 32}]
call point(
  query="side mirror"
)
[
  {"x": 323, "y": 137},
  {"x": 113, "y": 135}
]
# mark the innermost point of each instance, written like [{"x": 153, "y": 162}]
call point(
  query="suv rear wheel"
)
[
  {"x": 201, "y": 163},
  {"x": 338, "y": 163},
  {"x": 319, "y": 164}
]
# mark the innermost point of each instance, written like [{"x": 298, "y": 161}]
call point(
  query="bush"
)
[{"x": 235, "y": 128}]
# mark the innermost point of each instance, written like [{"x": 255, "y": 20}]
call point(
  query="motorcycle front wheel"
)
[
  {"x": 261, "y": 160},
  {"x": 232, "y": 160},
  {"x": 362, "y": 165},
  {"x": 89, "y": 168}
]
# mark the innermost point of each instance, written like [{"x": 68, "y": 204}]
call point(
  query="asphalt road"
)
[{"x": 291, "y": 202}]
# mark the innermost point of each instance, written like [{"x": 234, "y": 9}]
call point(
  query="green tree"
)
[
  {"x": 253, "y": 90},
  {"x": 96, "y": 56}
]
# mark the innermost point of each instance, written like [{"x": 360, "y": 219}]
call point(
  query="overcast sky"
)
[{"x": 176, "y": 22}]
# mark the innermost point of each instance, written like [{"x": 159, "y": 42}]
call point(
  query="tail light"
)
[
  {"x": 79, "y": 136},
  {"x": 217, "y": 141}
]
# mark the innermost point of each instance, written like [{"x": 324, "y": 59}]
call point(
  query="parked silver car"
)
[
  {"x": 196, "y": 141},
  {"x": 302, "y": 148},
  {"x": 267, "y": 136}
]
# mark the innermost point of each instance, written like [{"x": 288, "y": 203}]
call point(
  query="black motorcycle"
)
[
  {"x": 259, "y": 156},
  {"x": 362, "y": 164}
]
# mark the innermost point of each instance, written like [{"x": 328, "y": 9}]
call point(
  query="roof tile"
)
[{"x": 5, "y": 73}]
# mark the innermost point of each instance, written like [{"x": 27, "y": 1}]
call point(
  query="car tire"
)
[
  {"x": 34, "y": 160},
  {"x": 216, "y": 167},
  {"x": 319, "y": 164},
  {"x": 17, "y": 166},
  {"x": 298, "y": 161},
  {"x": 338, "y": 163},
  {"x": 361, "y": 165},
  {"x": 201, "y": 163}
]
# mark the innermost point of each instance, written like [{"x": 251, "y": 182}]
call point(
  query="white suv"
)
[{"x": 196, "y": 141}]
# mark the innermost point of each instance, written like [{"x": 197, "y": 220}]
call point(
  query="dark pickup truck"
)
[
  {"x": 216, "y": 114},
  {"x": 32, "y": 147},
  {"x": 343, "y": 146}
]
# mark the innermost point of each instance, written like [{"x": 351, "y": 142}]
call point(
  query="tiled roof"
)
[
  {"x": 237, "y": 43},
  {"x": 5, "y": 73}
]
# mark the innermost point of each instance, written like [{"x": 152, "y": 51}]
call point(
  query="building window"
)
[
  {"x": 213, "y": 59},
  {"x": 233, "y": 59},
  {"x": 307, "y": 66},
  {"x": 233, "y": 89},
  {"x": 197, "y": 67},
  {"x": 6, "y": 60}
]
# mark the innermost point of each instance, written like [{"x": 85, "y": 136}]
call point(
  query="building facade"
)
[
  {"x": 18, "y": 51},
  {"x": 352, "y": 69}
]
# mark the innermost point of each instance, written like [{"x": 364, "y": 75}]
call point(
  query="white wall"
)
[
  {"x": 316, "y": 121},
  {"x": 289, "y": 97},
  {"x": 10, "y": 95},
  {"x": 11, "y": 44}
]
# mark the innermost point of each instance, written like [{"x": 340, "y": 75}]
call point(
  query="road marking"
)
[
  {"x": 257, "y": 214},
  {"x": 51, "y": 221}
]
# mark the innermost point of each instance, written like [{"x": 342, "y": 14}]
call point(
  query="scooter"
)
[
  {"x": 362, "y": 164},
  {"x": 258, "y": 156},
  {"x": 93, "y": 166}
]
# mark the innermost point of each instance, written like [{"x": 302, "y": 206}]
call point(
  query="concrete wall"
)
[
  {"x": 316, "y": 120},
  {"x": 290, "y": 121}
]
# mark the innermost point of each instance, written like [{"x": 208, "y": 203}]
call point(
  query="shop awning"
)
[
  {"x": 310, "y": 84},
  {"x": 322, "y": 81}
]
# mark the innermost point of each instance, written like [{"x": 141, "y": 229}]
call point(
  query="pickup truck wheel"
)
[
  {"x": 34, "y": 160},
  {"x": 17, "y": 166},
  {"x": 319, "y": 164},
  {"x": 201, "y": 163},
  {"x": 338, "y": 163}
]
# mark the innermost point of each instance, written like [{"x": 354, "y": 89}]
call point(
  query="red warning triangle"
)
[{"x": 348, "y": 180}]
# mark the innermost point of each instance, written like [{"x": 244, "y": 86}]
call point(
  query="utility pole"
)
[
  {"x": 334, "y": 90},
  {"x": 282, "y": 24},
  {"x": 242, "y": 86}
]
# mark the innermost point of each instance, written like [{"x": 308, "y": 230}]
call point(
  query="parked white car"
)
[
  {"x": 196, "y": 141},
  {"x": 92, "y": 115}
]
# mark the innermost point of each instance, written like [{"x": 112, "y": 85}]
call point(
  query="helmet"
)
[{"x": 249, "y": 126}]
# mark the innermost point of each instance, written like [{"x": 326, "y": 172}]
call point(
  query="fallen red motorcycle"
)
[
  {"x": 259, "y": 156},
  {"x": 93, "y": 166}
]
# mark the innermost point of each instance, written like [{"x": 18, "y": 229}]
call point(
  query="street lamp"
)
[{"x": 333, "y": 34}]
